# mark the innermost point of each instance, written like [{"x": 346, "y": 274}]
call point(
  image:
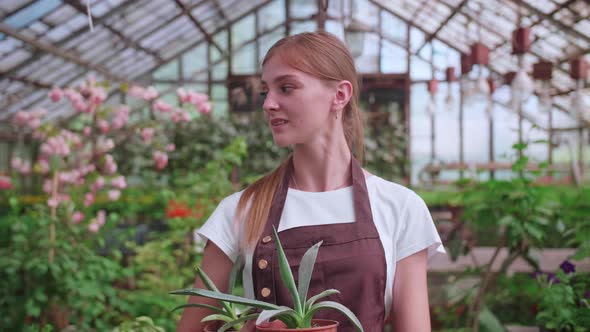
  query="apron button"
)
[
  {"x": 265, "y": 292},
  {"x": 266, "y": 239},
  {"x": 262, "y": 264}
]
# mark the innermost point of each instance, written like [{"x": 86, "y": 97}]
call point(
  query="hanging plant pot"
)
[{"x": 318, "y": 325}]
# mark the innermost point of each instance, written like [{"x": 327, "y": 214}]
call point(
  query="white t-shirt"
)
[{"x": 401, "y": 217}]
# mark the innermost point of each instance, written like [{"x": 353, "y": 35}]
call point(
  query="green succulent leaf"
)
[
  {"x": 306, "y": 269},
  {"x": 316, "y": 297},
  {"x": 225, "y": 297},
  {"x": 337, "y": 306},
  {"x": 265, "y": 315},
  {"x": 286, "y": 275},
  {"x": 216, "y": 317},
  {"x": 199, "y": 305},
  {"x": 211, "y": 286},
  {"x": 237, "y": 322}
]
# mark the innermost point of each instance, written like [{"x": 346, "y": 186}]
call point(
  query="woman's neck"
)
[{"x": 321, "y": 167}]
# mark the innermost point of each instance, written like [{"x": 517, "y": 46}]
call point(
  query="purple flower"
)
[
  {"x": 552, "y": 278},
  {"x": 587, "y": 295},
  {"x": 567, "y": 267}
]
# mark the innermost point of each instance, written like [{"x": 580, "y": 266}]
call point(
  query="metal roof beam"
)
[
  {"x": 559, "y": 24},
  {"x": 454, "y": 12},
  {"x": 122, "y": 37},
  {"x": 60, "y": 53},
  {"x": 75, "y": 34},
  {"x": 448, "y": 43},
  {"x": 220, "y": 10},
  {"x": 180, "y": 52},
  {"x": 199, "y": 26}
]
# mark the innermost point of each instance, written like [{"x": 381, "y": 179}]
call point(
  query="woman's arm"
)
[
  {"x": 218, "y": 267},
  {"x": 410, "y": 294}
]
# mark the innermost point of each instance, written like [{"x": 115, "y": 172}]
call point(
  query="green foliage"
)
[
  {"x": 140, "y": 324},
  {"x": 385, "y": 152},
  {"x": 564, "y": 305},
  {"x": 76, "y": 288},
  {"x": 164, "y": 262},
  {"x": 198, "y": 142}
]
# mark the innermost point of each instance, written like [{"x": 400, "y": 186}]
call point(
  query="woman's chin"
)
[{"x": 281, "y": 142}]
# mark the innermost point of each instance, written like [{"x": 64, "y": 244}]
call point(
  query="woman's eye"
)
[
  {"x": 263, "y": 93},
  {"x": 286, "y": 89}
]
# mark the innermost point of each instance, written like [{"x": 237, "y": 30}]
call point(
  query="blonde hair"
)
[{"x": 324, "y": 56}]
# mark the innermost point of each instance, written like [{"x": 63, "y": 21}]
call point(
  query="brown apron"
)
[{"x": 351, "y": 259}]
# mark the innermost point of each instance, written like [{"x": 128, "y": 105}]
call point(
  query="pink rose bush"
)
[{"x": 81, "y": 161}]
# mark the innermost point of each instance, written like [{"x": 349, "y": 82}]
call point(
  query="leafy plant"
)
[
  {"x": 232, "y": 315},
  {"x": 521, "y": 212},
  {"x": 304, "y": 309},
  {"x": 565, "y": 300},
  {"x": 140, "y": 324},
  {"x": 77, "y": 288}
]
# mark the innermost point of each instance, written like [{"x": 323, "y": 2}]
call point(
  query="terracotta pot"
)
[
  {"x": 319, "y": 325},
  {"x": 213, "y": 327}
]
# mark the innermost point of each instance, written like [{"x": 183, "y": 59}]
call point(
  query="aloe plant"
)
[
  {"x": 229, "y": 313},
  {"x": 304, "y": 309}
]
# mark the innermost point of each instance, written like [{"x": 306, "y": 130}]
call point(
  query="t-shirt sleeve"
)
[
  {"x": 221, "y": 229},
  {"x": 417, "y": 230}
]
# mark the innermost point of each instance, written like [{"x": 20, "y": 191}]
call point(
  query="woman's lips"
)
[{"x": 277, "y": 123}]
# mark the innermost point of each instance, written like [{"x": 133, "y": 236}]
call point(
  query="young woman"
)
[{"x": 377, "y": 235}]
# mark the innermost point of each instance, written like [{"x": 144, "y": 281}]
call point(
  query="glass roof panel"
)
[
  {"x": 14, "y": 58},
  {"x": 31, "y": 13},
  {"x": 546, "y": 6},
  {"x": 7, "y": 7},
  {"x": 271, "y": 15},
  {"x": 304, "y": 8},
  {"x": 60, "y": 15}
]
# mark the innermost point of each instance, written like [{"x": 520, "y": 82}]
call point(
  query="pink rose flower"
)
[
  {"x": 103, "y": 125},
  {"x": 150, "y": 93},
  {"x": 101, "y": 217},
  {"x": 94, "y": 227},
  {"x": 162, "y": 106},
  {"x": 170, "y": 147},
  {"x": 135, "y": 91},
  {"x": 5, "y": 183},
  {"x": 53, "y": 202},
  {"x": 89, "y": 199},
  {"x": 114, "y": 195},
  {"x": 147, "y": 134},
  {"x": 119, "y": 182},
  {"x": 204, "y": 107},
  {"x": 160, "y": 159},
  {"x": 77, "y": 217},
  {"x": 56, "y": 94}
]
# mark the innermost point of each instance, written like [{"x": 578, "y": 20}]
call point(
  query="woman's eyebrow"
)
[{"x": 281, "y": 78}]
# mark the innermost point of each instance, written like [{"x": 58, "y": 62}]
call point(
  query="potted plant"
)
[
  {"x": 230, "y": 317},
  {"x": 298, "y": 318}
]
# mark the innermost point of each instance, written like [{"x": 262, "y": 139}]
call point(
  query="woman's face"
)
[{"x": 297, "y": 105}]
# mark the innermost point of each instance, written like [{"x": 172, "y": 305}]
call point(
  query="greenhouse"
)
[{"x": 127, "y": 128}]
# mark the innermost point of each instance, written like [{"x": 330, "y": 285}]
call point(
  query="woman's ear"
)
[{"x": 343, "y": 95}]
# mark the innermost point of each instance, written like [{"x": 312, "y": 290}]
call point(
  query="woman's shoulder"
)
[
  {"x": 231, "y": 201},
  {"x": 390, "y": 188}
]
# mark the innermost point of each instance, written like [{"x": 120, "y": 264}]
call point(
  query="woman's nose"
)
[{"x": 270, "y": 104}]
